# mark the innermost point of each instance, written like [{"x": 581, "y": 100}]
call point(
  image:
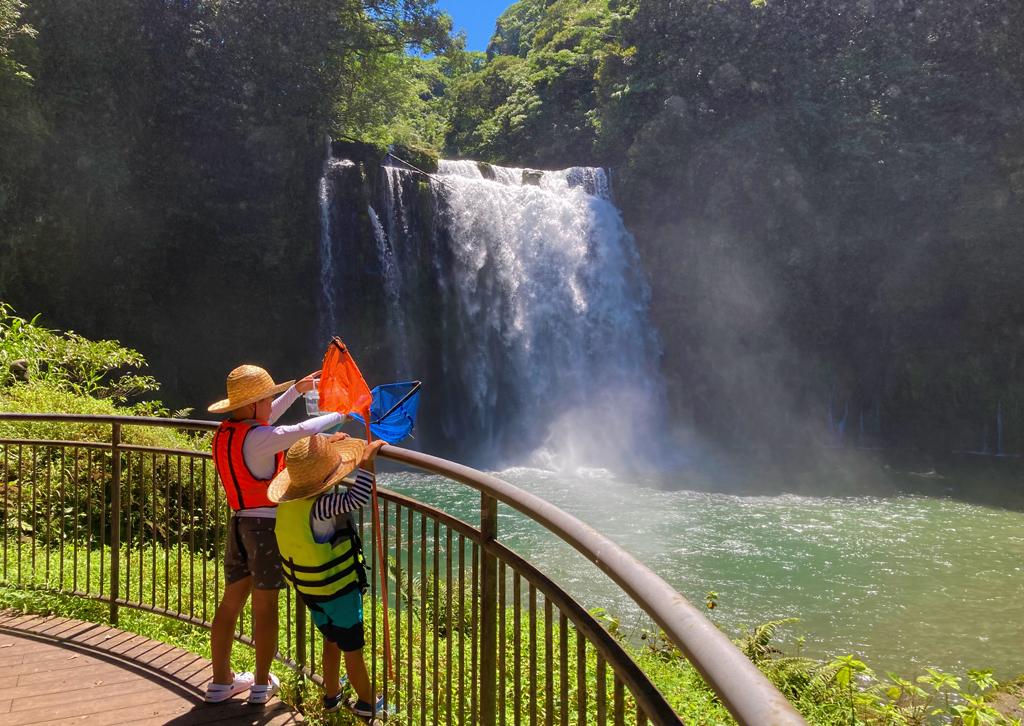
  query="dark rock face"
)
[
  {"x": 677, "y": 105},
  {"x": 726, "y": 80},
  {"x": 532, "y": 177},
  {"x": 718, "y": 302},
  {"x": 486, "y": 170},
  {"x": 196, "y": 293}
]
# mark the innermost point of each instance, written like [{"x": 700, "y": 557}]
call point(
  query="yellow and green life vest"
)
[{"x": 319, "y": 572}]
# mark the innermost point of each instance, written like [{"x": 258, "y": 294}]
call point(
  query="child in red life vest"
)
[
  {"x": 320, "y": 553},
  {"x": 248, "y": 452}
]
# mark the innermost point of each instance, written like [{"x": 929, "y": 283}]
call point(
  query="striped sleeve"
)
[{"x": 330, "y": 505}]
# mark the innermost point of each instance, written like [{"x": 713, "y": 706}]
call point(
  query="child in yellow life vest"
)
[{"x": 320, "y": 552}]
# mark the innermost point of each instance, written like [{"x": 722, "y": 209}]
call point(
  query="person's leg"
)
[
  {"x": 265, "y": 563},
  {"x": 346, "y": 616},
  {"x": 332, "y": 669},
  {"x": 264, "y": 629},
  {"x": 355, "y": 667},
  {"x": 223, "y": 630}
]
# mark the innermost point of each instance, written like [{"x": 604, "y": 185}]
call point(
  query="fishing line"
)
[{"x": 417, "y": 170}]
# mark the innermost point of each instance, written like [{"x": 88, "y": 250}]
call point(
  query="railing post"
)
[
  {"x": 115, "y": 521},
  {"x": 488, "y": 612}
]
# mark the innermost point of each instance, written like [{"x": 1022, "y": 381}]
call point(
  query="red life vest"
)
[{"x": 243, "y": 489}]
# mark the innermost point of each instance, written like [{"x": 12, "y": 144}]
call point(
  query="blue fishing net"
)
[{"x": 393, "y": 410}]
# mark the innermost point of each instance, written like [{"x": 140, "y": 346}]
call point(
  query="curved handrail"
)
[{"x": 744, "y": 690}]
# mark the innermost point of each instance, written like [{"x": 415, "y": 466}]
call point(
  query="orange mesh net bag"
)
[{"x": 342, "y": 388}]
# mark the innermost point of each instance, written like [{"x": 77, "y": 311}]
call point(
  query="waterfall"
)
[
  {"x": 328, "y": 311},
  {"x": 394, "y": 207},
  {"x": 545, "y": 313},
  {"x": 517, "y": 296}
]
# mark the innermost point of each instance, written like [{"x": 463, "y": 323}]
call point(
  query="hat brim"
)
[
  {"x": 283, "y": 488},
  {"x": 227, "y": 404}
]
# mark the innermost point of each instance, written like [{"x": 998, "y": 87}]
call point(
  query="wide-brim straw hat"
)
[
  {"x": 248, "y": 384},
  {"x": 313, "y": 465}
]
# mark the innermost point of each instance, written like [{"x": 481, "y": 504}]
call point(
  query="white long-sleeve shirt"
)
[{"x": 262, "y": 443}]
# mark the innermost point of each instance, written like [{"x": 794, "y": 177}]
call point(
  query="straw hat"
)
[
  {"x": 313, "y": 465},
  {"x": 248, "y": 384}
]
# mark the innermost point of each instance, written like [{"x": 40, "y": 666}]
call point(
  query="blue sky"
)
[{"x": 476, "y": 17}]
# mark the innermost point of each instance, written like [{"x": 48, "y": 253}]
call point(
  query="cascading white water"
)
[
  {"x": 328, "y": 316},
  {"x": 394, "y": 208},
  {"x": 547, "y": 313},
  {"x": 392, "y": 286},
  {"x": 328, "y": 293}
]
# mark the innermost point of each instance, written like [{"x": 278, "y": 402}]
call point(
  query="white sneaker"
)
[
  {"x": 219, "y": 692},
  {"x": 259, "y": 695}
]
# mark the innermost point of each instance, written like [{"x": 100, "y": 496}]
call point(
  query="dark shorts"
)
[
  {"x": 340, "y": 619},
  {"x": 252, "y": 551}
]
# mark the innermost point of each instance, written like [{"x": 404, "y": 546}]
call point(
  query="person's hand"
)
[
  {"x": 305, "y": 385},
  {"x": 340, "y": 436},
  {"x": 371, "y": 451}
]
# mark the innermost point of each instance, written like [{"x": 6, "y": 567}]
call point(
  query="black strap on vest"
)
[{"x": 358, "y": 565}]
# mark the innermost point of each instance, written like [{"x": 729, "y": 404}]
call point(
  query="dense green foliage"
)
[
  {"x": 534, "y": 102},
  {"x": 57, "y": 495},
  {"x": 67, "y": 361},
  {"x": 829, "y": 198},
  {"x": 158, "y": 163}
]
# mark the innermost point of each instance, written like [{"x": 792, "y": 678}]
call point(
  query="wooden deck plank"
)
[
  {"x": 43, "y": 666},
  {"x": 71, "y": 679},
  {"x": 60, "y": 670},
  {"x": 155, "y": 713},
  {"x": 70, "y": 705}
]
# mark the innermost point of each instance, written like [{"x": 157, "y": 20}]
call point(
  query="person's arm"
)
[
  {"x": 264, "y": 441},
  {"x": 286, "y": 399},
  {"x": 330, "y": 505},
  {"x": 282, "y": 403}
]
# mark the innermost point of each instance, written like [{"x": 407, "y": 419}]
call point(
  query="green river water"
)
[{"x": 903, "y": 582}]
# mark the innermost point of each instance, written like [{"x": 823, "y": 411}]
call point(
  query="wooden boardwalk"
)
[{"x": 59, "y": 671}]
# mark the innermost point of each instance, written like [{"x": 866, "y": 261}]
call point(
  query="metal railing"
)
[{"x": 123, "y": 511}]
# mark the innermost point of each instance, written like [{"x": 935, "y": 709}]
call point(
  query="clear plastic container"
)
[{"x": 313, "y": 400}]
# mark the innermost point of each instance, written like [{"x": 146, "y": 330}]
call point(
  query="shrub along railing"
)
[{"x": 479, "y": 634}]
